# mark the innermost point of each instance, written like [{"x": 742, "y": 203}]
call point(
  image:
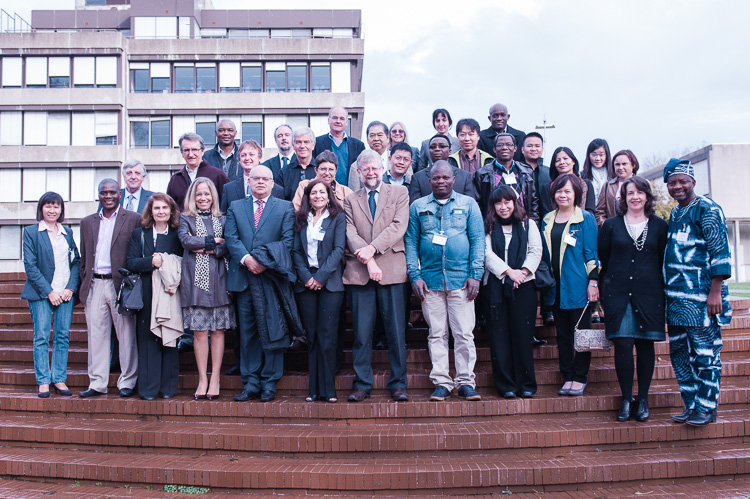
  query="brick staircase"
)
[{"x": 548, "y": 446}]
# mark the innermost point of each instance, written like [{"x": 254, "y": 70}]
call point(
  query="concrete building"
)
[
  {"x": 112, "y": 80},
  {"x": 722, "y": 173}
]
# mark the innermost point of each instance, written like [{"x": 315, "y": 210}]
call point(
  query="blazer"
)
[
  {"x": 487, "y": 140},
  {"x": 125, "y": 224},
  {"x": 291, "y": 176},
  {"x": 235, "y": 190},
  {"x": 607, "y": 205},
  {"x": 39, "y": 263},
  {"x": 354, "y": 146},
  {"x": 425, "y": 160},
  {"x": 193, "y": 296},
  {"x": 274, "y": 164},
  {"x": 385, "y": 232},
  {"x": 180, "y": 182},
  {"x": 275, "y": 224},
  {"x": 141, "y": 202},
  {"x": 420, "y": 184},
  {"x": 330, "y": 255}
]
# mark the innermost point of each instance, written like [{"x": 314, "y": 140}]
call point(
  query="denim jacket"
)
[{"x": 445, "y": 267}]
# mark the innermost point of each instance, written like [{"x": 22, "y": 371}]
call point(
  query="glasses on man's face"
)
[
  {"x": 191, "y": 151},
  {"x": 401, "y": 159},
  {"x": 261, "y": 179},
  {"x": 505, "y": 145},
  {"x": 439, "y": 146}
]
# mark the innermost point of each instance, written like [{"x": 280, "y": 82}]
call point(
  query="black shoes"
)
[
  {"x": 548, "y": 319},
  {"x": 509, "y": 395},
  {"x": 245, "y": 395},
  {"x": 126, "y": 392},
  {"x": 267, "y": 396},
  {"x": 399, "y": 395},
  {"x": 358, "y": 395},
  {"x": 683, "y": 416},
  {"x": 537, "y": 342},
  {"x": 59, "y": 391},
  {"x": 527, "y": 394},
  {"x": 641, "y": 411},
  {"x": 43, "y": 395},
  {"x": 296, "y": 346},
  {"x": 90, "y": 393},
  {"x": 698, "y": 418},
  {"x": 626, "y": 407}
]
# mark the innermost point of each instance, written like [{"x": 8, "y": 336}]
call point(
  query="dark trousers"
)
[
  {"x": 573, "y": 365},
  {"x": 625, "y": 367},
  {"x": 511, "y": 348},
  {"x": 260, "y": 369},
  {"x": 390, "y": 301},
  {"x": 319, "y": 311},
  {"x": 158, "y": 366}
]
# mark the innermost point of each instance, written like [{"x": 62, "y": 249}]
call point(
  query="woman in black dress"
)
[{"x": 631, "y": 250}]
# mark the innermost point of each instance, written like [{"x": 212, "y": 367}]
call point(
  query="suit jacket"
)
[
  {"x": 330, "y": 255},
  {"x": 275, "y": 224},
  {"x": 125, "y": 224},
  {"x": 385, "y": 232},
  {"x": 141, "y": 202},
  {"x": 487, "y": 141},
  {"x": 39, "y": 263},
  {"x": 420, "y": 184},
  {"x": 180, "y": 182},
  {"x": 290, "y": 177},
  {"x": 354, "y": 146},
  {"x": 235, "y": 190},
  {"x": 275, "y": 165}
]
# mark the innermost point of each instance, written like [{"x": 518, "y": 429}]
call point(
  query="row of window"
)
[
  {"x": 59, "y": 72},
  {"x": 32, "y": 128}
]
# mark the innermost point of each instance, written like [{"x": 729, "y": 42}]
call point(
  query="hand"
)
[
  {"x": 472, "y": 288},
  {"x": 593, "y": 293},
  {"x": 515, "y": 275},
  {"x": 201, "y": 251},
  {"x": 365, "y": 253},
  {"x": 374, "y": 270},
  {"x": 313, "y": 284},
  {"x": 67, "y": 294},
  {"x": 714, "y": 302},
  {"x": 54, "y": 298},
  {"x": 156, "y": 260},
  {"x": 253, "y": 265},
  {"x": 420, "y": 289},
  {"x": 219, "y": 240}
]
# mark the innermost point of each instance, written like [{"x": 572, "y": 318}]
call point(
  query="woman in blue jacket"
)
[
  {"x": 50, "y": 258},
  {"x": 569, "y": 235}
]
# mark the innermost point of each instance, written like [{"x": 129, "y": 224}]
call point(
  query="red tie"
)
[{"x": 258, "y": 212}]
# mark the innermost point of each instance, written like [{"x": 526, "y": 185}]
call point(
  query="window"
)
[
  {"x": 160, "y": 133},
  {"x": 139, "y": 77},
  {"x": 10, "y": 179},
  {"x": 183, "y": 28},
  {"x": 166, "y": 27},
  {"x": 207, "y": 131},
  {"x": 10, "y": 242},
  {"x": 11, "y": 131},
  {"x": 106, "y": 72},
  {"x": 12, "y": 71},
  {"x": 149, "y": 133},
  {"x": 275, "y": 77},
  {"x": 213, "y": 33},
  {"x": 184, "y": 78},
  {"x": 58, "y": 129},
  {"x": 144, "y": 27},
  {"x": 252, "y": 131},
  {"x": 341, "y": 78},
  {"x": 59, "y": 72},
  {"x": 252, "y": 78},
  {"x": 229, "y": 76},
  {"x": 205, "y": 77},
  {"x": 95, "y": 2},
  {"x": 84, "y": 72},
  {"x": 105, "y": 128},
  {"x": 36, "y": 72},
  {"x": 34, "y": 128},
  {"x": 160, "y": 77},
  {"x": 37, "y": 181},
  {"x": 297, "y": 78},
  {"x": 320, "y": 77}
]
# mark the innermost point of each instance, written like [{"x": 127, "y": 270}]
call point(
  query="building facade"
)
[{"x": 114, "y": 80}]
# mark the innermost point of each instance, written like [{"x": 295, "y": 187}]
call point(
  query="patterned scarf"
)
[{"x": 202, "y": 259}]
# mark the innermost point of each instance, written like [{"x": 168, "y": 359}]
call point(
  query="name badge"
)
[
  {"x": 569, "y": 240},
  {"x": 439, "y": 239},
  {"x": 457, "y": 211},
  {"x": 682, "y": 236},
  {"x": 318, "y": 236},
  {"x": 509, "y": 178}
]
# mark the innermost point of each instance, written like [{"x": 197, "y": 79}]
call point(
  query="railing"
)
[{"x": 13, "y": 23}]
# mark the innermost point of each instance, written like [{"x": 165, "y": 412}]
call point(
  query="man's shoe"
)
[
  {"x": 381, "y": 345},
  {"x": 683, "y": 416},
  {"x": 641, "y": 411},
  {"x": 508, "y": 395},
  {"x": 441, "y": 393},
  {"x": 400, "y": 395},
  {"x": 698, "y": 418},
  {"x": 625, "y": 409},
  {"x": 165, "y": 396},
  {"x": 126, "y": 392},
  {"x": 267, "y": 396},
  {"x": 358, "y": 395},
  {"x": 537, "y": 342},
  {"x": 246, "y": 395},
  {"x": 548, "y": 319},
  {"x": 526, "y": 394},
  {"x": 233, "y": 371},
  {"x": 468, "y": 393},
  {"x": 296, "y": 346},
  {"x": 148, "y": 397},
  {"x": 90, "y": 393}
]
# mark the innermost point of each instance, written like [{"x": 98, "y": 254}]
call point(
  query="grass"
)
[{"x": 741, "y": 289}]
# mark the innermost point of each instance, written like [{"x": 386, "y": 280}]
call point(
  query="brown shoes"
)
[
  {"x": 400, "y": 395},
  {"x": 358, "y": 395}
]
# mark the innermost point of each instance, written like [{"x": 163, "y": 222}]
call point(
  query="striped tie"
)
[{"x": 258, "y": 212}]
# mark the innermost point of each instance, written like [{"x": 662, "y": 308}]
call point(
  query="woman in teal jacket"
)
[{"x": 569, "y": 235}]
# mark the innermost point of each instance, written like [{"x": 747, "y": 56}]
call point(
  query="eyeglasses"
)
[
  {"x": 397, "y": 132},
  {"x": 262, "y": 179},
  {"x": 439, "y": 146},
  {"x": 191, "y": 151},
  {"x": 401, "y": 159},
  {"x": 506, "y": 145}
]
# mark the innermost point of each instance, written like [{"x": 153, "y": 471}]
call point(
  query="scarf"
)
[
  {"x": 202, "y": 259},
  {"x": 499, "y": 291}
]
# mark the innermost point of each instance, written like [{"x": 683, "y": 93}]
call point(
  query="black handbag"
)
[
  {"x": 130, "y": 296},
  {"x": 543, "y": 278}
]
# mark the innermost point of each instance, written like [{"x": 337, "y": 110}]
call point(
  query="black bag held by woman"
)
[{"x": 130, "y": 296}]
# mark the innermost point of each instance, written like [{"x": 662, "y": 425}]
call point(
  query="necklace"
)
[
  {"x": 679, "y": 209},
  {"x": 639, "y": 240}
]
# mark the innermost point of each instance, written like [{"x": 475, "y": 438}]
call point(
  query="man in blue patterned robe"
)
[{"x": 696, "y": 263}]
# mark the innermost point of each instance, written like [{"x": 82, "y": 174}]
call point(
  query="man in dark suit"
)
[
  {"x": 440, "y": 149},
  {"x": 105, "y": 239},
  {"x": 499, "y": 117},
  {"x": 133, "y": 197},
  {"x": 192, "y": 148},
  {"x": 240, "y": 188},
  {"x": 251, "y": 223},
  {"x": 303, "y": 165},
  {"x": 283, "y": 137},
  {"x": 346, "y": 148}
]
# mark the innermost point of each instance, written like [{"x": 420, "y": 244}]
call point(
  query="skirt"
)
[
  {"x": 629, "y": 329},
  {"x": 208, "y": 319}
]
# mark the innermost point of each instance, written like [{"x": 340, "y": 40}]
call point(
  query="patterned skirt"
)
[{"x": 208, "y": 319}]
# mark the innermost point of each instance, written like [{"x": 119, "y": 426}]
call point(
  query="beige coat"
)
[
  {"x": 166, "y": 306},
  {"x": 386, "y": 233}
]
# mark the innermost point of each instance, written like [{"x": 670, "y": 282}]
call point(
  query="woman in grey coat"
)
[{"x": 206, "y": 304}]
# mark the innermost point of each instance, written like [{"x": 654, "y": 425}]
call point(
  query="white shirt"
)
[
  {"x": 314, "y": 236},
  {"x": 102, "y": 257},
  {"x": 62, "y": 255},
  {"x": 192, "y": 173},
  {"x": 136, "y": 198},
  {"x": 377, "y": 193},
  {"x": 598, "y": 178},
  {"x": 166, "y": 231},
  {"x": 496, "y": 265}
]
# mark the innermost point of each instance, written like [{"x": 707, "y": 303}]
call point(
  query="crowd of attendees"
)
[{"x": 473, "y": 226}]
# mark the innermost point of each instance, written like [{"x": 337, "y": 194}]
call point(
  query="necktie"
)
[
  {"x": 285, "y": 160},
  {"x": 129, "y": 206},
  {"x": 258, "y": 212},
  {"x": 371, "y": 202}
]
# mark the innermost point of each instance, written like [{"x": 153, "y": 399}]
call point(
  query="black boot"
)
[
  {"x": 698, "y": 418},
  {"x": 683, "y": 416},
  {"x": 641, "y": 411},
  {"x": 624, "y": 414}
]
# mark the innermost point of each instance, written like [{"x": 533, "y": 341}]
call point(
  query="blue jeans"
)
[{"x": 41, "y": 315}]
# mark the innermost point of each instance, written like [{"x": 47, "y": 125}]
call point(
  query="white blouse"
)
[
  {"x": 495, "y": 264},
  {"x": 314, "y": 236}
]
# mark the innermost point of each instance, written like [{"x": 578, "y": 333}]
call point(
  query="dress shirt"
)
[
  {"x": 136, "y": 198},
  {"x": 314, "y": 236},
  {"x": 288, "y": 159},
  {"x": 102, "y": 258},
  {"x": 192, "y": 173},
  {"x": 377, "y": 192},
  {"x": 470, "y": 164},
  {"x": 395, "y": 181},
  {"x": 61, "y": 252},
  {"x": 255, "y": 207},
  {"x": 225, "y": 158}
]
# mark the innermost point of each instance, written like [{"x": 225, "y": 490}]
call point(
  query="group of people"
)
[{"x": 465, "y": 224}]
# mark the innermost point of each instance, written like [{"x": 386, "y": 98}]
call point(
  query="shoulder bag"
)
[
  {"x": 587, "y": 340},
  {"x": 130, "y": 296}
]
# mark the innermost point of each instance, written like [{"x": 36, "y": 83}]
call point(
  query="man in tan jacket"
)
[{"x": 376, "y": 219}]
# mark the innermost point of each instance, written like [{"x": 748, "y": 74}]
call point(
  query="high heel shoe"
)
[
  {"x": 201, "y": 397},
  {"x": 43, "y": 395},
  {"x": 212, "y": 396},
  {"x": 65, "y": 393}
]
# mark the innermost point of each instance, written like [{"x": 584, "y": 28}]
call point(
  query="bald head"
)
[
  {"x": 499, "y": 117},
  {"x": 261, "y": 181}
]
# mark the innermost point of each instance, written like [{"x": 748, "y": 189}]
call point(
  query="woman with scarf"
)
[
  {"x": 206, "y": 304},
  {"x": 512, "y": 255}
]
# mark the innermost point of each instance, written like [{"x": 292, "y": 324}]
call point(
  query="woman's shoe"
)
[
  {"x": 578, "y": 392},
  {"x": 565, "y": 390},
  {"x": 311, "y": 398},
  {"x": 43, "y": 395},
  {"x": 65, "y": 392},
  {"x": 641, "y": 410},
  {"x": 200, "y": 397},
  {"x": 625, "y": 408},
  {"x": 332, "y": 400},
  {"x": 212, "y": 396}
]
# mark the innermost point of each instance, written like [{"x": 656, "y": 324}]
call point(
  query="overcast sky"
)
[{"x": 654, "y": 76}]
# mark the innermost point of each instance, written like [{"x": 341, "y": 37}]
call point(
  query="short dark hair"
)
[
  {"x": 147, "y": 217},
  {"x": 593, "y": 146},
  {"x": 642, "y": 185},
  {"x": 334, "y": 207},
  {"x": 444, "y": 112},
  {"x": 533, "y": 134},
  {"x": 403, "y": 146},
  {"x": 503, "y": 192},
  {"x": 441, "y": 136},
  {"x": 375, "y": 123},
  {"x": 553, "y": 173},
  {"x": 631, "y": 157},
  {"x": 563, "y": 179},
  {"x": 504, "y": 134},
  {"x": 328, "y": 157},
  {"x": 469, "y": 122},
  {"x": 50, "y": 198}
]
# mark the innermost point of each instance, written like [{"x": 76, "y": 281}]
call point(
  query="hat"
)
[{"x": 678, "y": 167}]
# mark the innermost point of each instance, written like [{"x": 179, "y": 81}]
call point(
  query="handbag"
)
[
  {"x": 130, "y": 296},
  {"x": 587, "y": 340},
  {"x": 543, "y": 278}
]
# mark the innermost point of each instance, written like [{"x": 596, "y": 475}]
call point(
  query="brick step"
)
[
  {"x": 510, "y": 435},
  {"x": 600, "y": 400},
  {"x": 358, "y": 473}
]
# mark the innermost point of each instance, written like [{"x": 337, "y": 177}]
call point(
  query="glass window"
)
[
  {"x": 252, "y": 79},
  {"x": 253, "y": 131},
  {"x": 106, "y": 72},
  {"x": 12, "y": 71},
  {"x": 84, "y": 71},
  {"x": 140, "y": 80},
  {"x": 160, "y": 85},
  {"x": 160, "y": 77},
  {"x": 139, "y": 134},
  {"x": 207, "y": 131},
  {"x": 184, "y": 79},
  {"x": 59, "y": 72},
  {"x": 275, "y": 80},
  {"x": 160, "y": 134},
  {"x": 95, "y": 2},
  {"x": 105, "y": 128},
  {"x": 229, "y": 76},
  {"x": 320, "y": 78},
  {"x": 59, "y": 81},
  {"x": 297, "y": 78},
  {"x": 206, "y": 79},
  {"x": 10, "y": 242}
]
